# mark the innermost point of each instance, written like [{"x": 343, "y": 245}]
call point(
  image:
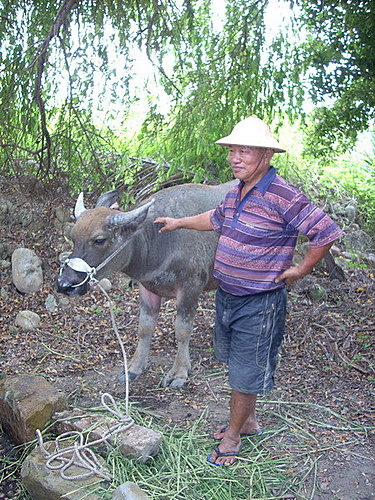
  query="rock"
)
[
  {"x": 351, "y": 212},
  {"x": 4, "y": 292},
  {"x": 358, "y": 241},
  {"x": 352, "y": 256},
  {"x": 105, "y": 284},
  {"x": 27, "y": 271},
  {"x": 335, "y": 251},
  {"x": 63, "y": 257},
  {"x": 136, "y": 442},
  {"x": 27, "y": 403},
  {"x": 43, "y": 483},
  {"x": 129, "y": 491},
  {"x": 27, "y": 320},
  {"x": 67, "y": 230},
  {"x": 5, "y": 251},
  {"x": 4, "y": 264},
  {"x": 5, "y": 208},
  {"x": 64, "y": 303},
  {"x": 62, "y": 214},
  {"x": 51, "y": 303},
  {"x": 317, "y": 293},
  {"x": 369, "y": 259}
]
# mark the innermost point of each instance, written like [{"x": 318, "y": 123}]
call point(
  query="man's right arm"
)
[{"x": 200, "y": 222}]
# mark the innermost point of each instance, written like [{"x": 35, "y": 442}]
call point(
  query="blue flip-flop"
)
[
  {"x": 222, "y": 454},
  {"x": 257, "y": 432}
]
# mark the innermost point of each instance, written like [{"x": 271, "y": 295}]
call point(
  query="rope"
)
[{"x": 79, "y": 454}]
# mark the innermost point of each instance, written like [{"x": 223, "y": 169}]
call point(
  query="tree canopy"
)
[{"x": 63, "y": 62}]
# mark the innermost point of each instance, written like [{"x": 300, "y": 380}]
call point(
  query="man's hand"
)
[
  {"x": 290, "y": 276},
  {"x": 200, "y": 222},
  {"x": 311, "y": 258},
  {"x": 170, "y": 224}
]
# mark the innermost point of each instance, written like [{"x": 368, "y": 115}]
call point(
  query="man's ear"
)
[{"x": 269, "y": 154}]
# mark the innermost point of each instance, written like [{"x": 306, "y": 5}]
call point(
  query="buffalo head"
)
[{"x": 99, "y": 236}]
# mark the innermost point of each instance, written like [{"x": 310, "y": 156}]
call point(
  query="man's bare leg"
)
[
  {"x": 242, "y": 421},
  {"x": 250, "y": 426}
]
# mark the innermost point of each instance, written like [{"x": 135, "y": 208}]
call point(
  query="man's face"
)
[{"x": 249, "y": 164}]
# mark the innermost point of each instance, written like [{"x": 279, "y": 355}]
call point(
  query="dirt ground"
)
[{"x": 324, "y": 384}]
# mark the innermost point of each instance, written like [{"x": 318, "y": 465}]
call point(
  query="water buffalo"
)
[{"x": 172, "y": 265}]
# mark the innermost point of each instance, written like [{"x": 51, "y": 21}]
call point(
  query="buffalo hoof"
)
[
  {"x": 131, "y": 376},
  {"x": 173, "y": 382}
]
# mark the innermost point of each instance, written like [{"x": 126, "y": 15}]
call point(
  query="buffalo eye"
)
[{"x": 99, "y": 242}]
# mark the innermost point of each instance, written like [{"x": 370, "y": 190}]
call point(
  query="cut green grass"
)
[{"x": 281, "y": 463}]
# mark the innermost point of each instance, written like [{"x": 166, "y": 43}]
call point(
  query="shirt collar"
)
[{"x": 265, "y": 181}]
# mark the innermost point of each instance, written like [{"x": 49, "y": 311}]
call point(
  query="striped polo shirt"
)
[{"x": 258, "y": 234}]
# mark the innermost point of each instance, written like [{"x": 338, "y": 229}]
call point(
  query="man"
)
[{"x": 258, "y": 222}]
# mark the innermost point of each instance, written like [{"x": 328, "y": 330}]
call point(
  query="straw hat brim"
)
[{"x": 268, "y": 143}]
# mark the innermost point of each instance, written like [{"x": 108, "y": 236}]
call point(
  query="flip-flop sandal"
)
[
  {"x": 257, "y": 432},
  {"x": 222, "y": 454}
]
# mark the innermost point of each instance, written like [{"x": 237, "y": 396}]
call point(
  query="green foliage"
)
[
  {"x": 66, "y": 79},
  {"x": 337, "y": 57}
]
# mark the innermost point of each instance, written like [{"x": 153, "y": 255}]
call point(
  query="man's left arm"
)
[{"x": 312, "y": 257}]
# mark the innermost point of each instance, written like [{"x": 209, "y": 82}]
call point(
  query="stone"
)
[
  {"x": 64, "y": 303},
  {"x": 105, "y": 284},
  {"x": 6, "y": 250},
  {"x": 27, "y": 271},
  {"x": 27, "y": 320},
  {"x": 67, "y": 230},
  {"x": 357, "y": 241},
  {"x": 137, "y": 442},
  {"x": 129, "y": 491},
  {"x": 50, "y": 303},
  {"x": 5, "y": 208},
  {"x": 352, "y": 256},
  {"x": 369, "y": 259},
  {"x": 43, "y": 483},
  {"x": 4, "y": 292},
  {"x": 317, "y": 293},
  {"x": 335, "y": 251},
  {"x": 27, "y": 403},
  {"x": 351, "y": 212},
  {"x": 62, "y": 214}
]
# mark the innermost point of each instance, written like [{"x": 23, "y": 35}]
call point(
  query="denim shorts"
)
[{"x": 248, "y": 334}]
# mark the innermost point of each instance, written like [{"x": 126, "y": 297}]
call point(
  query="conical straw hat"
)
[{"x": 251, "y": 131}]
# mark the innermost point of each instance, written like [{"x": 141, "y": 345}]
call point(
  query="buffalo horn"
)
[
  {"x": 124, "y": 218},
  {"x": 80, "y": 207}
]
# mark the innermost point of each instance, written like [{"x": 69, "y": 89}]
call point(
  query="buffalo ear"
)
[
  {"x": 109, "y": 199},
  {"x": 130, "y": 219}
]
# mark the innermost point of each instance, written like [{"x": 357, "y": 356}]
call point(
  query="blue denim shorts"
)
[{"x": 248, "y": 334}]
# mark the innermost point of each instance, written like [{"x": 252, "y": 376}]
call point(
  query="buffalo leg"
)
[
  {"x": 149, "y": 307},
  {"x": 187, "y": 302}
]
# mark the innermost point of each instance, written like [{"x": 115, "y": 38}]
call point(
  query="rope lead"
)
[{"x": 80, "y": 454}]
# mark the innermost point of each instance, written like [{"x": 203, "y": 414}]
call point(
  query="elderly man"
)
[{"x": 258, "y": 222}]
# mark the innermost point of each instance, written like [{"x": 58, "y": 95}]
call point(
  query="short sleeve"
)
[{"x": 311, "y": 221}]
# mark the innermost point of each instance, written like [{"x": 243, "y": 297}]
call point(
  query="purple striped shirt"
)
[{"x": 258, "y": 234}]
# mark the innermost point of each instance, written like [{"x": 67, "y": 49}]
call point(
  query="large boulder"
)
[
  {"x": 42, "y": 483},
  {"x": 27, "y": 403},
  {"x": 27, "y": 271}
]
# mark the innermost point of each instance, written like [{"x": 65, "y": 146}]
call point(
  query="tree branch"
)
[{"x": 60, "y": 19}]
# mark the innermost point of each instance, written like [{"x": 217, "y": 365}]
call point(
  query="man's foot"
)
[
  {"x": 247, "y": 430},
  {"x": 225, "y": 455}
]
